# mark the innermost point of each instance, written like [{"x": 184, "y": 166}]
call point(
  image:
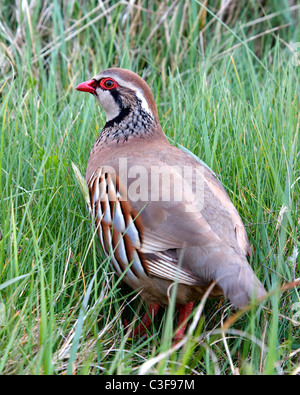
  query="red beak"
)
[{"x": 86, "y": 86}]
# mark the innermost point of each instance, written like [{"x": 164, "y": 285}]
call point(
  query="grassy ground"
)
[{"x": 232, "y": 75}]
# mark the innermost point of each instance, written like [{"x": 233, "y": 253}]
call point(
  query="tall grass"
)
[{"x": 226, "y": 81}]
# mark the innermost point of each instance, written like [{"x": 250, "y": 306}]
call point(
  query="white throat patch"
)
[{"x": 108, "y": 103}]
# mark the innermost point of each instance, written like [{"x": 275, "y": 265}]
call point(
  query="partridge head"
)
[{"x": 161, "y": 215}]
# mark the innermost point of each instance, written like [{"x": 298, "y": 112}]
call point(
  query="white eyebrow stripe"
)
[
  {"x": 139, "y": 92},
  {"x": 145, "y": 106}
]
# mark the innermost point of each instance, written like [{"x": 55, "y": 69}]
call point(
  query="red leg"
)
[
  {"x": 184, "y": 313},
  {"x": 146, "y": 320}
]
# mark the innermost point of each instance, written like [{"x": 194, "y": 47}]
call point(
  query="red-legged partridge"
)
[{"x": 161, "y": 215}]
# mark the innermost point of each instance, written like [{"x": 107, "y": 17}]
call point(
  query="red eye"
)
[{"x": 108, "y": 83}]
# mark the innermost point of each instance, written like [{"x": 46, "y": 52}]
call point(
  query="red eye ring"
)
[{"x": 108, "y": 83}]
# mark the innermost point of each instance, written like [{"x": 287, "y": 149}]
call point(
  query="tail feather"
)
[
  {"x": 239, "y": 283},
  {"x": 229, "y": 268}
]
